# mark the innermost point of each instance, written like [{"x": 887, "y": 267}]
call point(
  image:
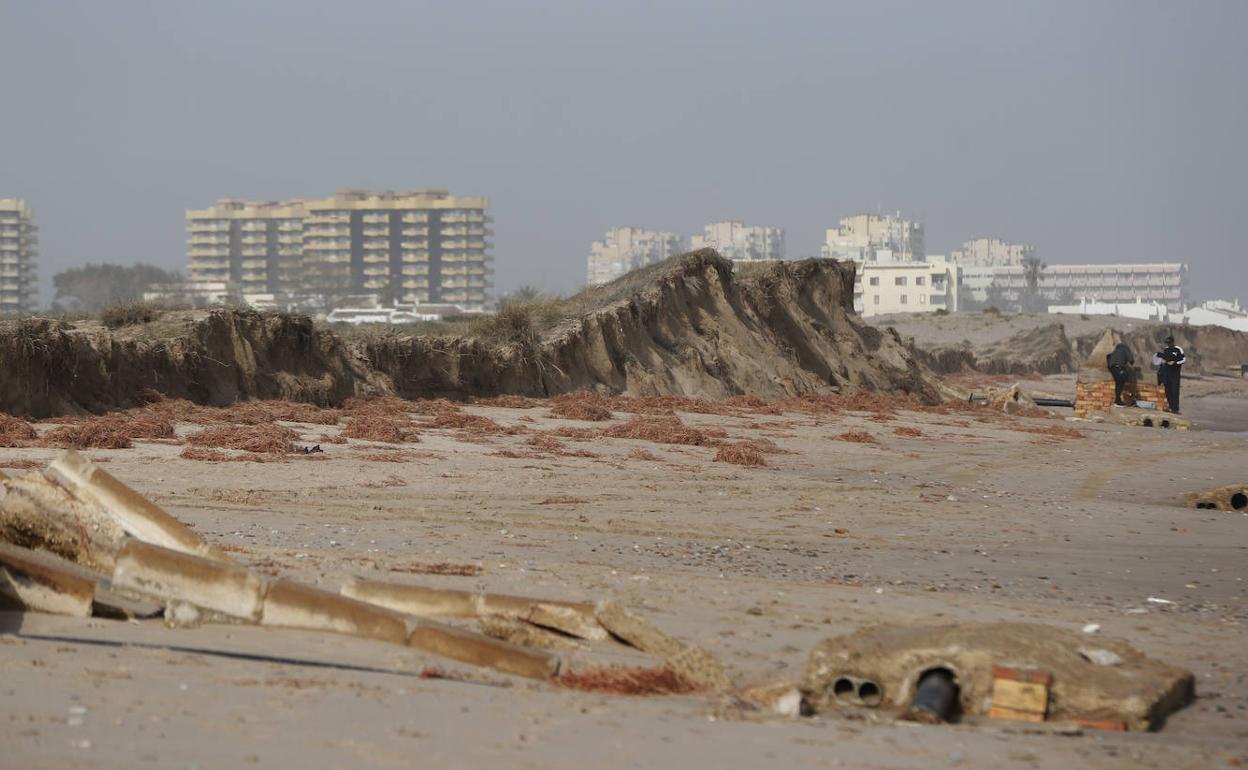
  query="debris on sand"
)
[
  {"x": 581, "y": 405},
  {"x": 15, "y": 432},
  {"x": 627, "y": 680},
  {"x": 740, "y": 454},
  {"x": 373, "y": 427},
  {"x": 907, "y": 431},
  {"x": 108, "y": 432},
  {"x": 659, "y": 430},
  {"x": 856, "y": 437},
  {"x": 217, "y": 456},
  {"x": 264, "y": 439}
]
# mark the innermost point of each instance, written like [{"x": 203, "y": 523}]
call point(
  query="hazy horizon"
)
[{"x": 1098, "y": 132}]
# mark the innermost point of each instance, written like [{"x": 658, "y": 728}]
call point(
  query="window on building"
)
[
  {"x": 876, "y": 300},
  {"x": 875, "y": 280},
  {"x": 919, "y": 280},
  {"x": 899, "y": 280},
  {"x": 903, "y": 299},
  {"x": 922, "y": 299}
]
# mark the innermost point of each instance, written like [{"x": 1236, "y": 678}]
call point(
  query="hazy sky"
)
[{"x": 1098, "y": 131}]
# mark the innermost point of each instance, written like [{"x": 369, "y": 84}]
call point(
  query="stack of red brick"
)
[{"x": 1099, "y": 396}]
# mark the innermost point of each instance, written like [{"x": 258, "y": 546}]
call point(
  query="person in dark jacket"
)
[
  {"x": 1172, "y": 360},
  {"x": 1120, "y": 362}
]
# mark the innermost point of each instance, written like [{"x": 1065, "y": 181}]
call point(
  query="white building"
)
[
  {"x": 1218, "y": 312},
  {"x": 885, "y": 287},
  {"x": 740, "y": 242},
  {"x": 992, "y": 252},
  {"x": 625, "y": 249},
  {"x": 1143, "y": 311},
  {"x": 1161, "y": 282}
]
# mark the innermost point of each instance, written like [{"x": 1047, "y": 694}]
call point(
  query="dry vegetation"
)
[
  {"x": 581, "y": 405},
  {"x": 262, "y": 439},
  {"x": 15, "y": 432},
  {"x": 661, "y": 430},
  {"x": 372, "y": 427},
  {"x": 856, "y": 437},
  {"x": 740, "y": 454}
]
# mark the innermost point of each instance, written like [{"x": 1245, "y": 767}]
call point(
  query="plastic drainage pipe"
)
[
  {"x": 1055, "y": 402},
  {"x": 936, "y": 697}
]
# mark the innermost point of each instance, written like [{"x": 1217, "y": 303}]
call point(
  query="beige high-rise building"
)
[
  {"x": 991, "y": 252},
  {"x": 252, "y": 246},
  {"x": 17, "y": 256},
  {"x": 741, "y": 242},
  {"x": 625, "y": 249},
  {"x": 875, "y": 237},
  {"x": 422, "y": 246}
]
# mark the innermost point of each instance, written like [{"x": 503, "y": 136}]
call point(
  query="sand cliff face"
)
[{"x": 693, "y": 328}]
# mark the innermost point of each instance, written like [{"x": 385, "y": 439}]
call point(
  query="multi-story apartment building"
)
[
  {"x": 253, "y": 246},
  {"x": 985, "y": 252},
  {"x": 872, "y": 237},
  {"x": 1161, "y": 282},
  {"x": 422, "y": 246},
  {"x": 627, "y": 248},
  {"x": 414, "y": 247},
  {"x": 17, "y": 256},
  {"x": 740, "y": 242},
  {"x": 881, "y": 288}
]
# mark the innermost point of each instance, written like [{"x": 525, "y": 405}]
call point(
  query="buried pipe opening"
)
[
  {"x": 869, "y": 693},
  {"x": 843, "y": 687},
  {"x": 1239, "y": 501},
  {"x": 935, "y": 697},
  {"x": 1148, "y": 422},
  {"x": 1165, "y": 423}
]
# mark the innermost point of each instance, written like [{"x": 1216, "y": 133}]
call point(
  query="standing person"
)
[
  {"x": 1173, "y": 359},
  {"x": 1120, "y": 361}
]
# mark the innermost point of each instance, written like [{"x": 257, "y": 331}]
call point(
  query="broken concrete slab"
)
[
  {"x": 105, "y": 602},
  {"x": 1140, "y": 691},
  {"x": 163, "y": 573},
  {"x": 688, "y": 660},
  {"x": 138, "y": 516},
  {"x": 28, "y": 582},
  {"x": 293, "y": 605},
  {"x": 1147, "y": 418},
  {"x": 575, "y": 618},
  {"x": 524, "y": 633},
  {"x": 40, "y": 514},
  {"x": 480, "y": 650},
  {"x": 1232, "y": 497}
]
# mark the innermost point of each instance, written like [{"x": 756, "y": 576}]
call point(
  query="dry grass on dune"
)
[{"x": 262, "y": 439}]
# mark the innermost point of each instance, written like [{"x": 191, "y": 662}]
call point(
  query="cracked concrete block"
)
[
  {"x": 570, "y": 620},
  {"x": 163, "y": 573},
  {"x": 138, "y": 516},
  {"x": 293, "y": 605},
  {"x": 480, "y": 650},
  {"x": 29, "y": 582},
  {"x": 426, "y": 602}
]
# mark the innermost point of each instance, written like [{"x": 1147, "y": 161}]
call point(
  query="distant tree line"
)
[{"x": 92, "y": 288}]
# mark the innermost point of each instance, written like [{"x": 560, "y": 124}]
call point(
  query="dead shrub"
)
[
  {"x": 627, "y": 680},
  {"x": 660, "y": 430},
  {"x": 740, "y": 454},
  {"x": 472, "y": 424},
  {"x": 15, "y": 432},
  {"x": 262, "y": 439},
  {"x": 128, "y": 314},
  {"x": 371, "y": 427},
  {"x": 856, "y": 437},
  {"x": 582, "y": 405},
  {"x": 908, "y": 432}
]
